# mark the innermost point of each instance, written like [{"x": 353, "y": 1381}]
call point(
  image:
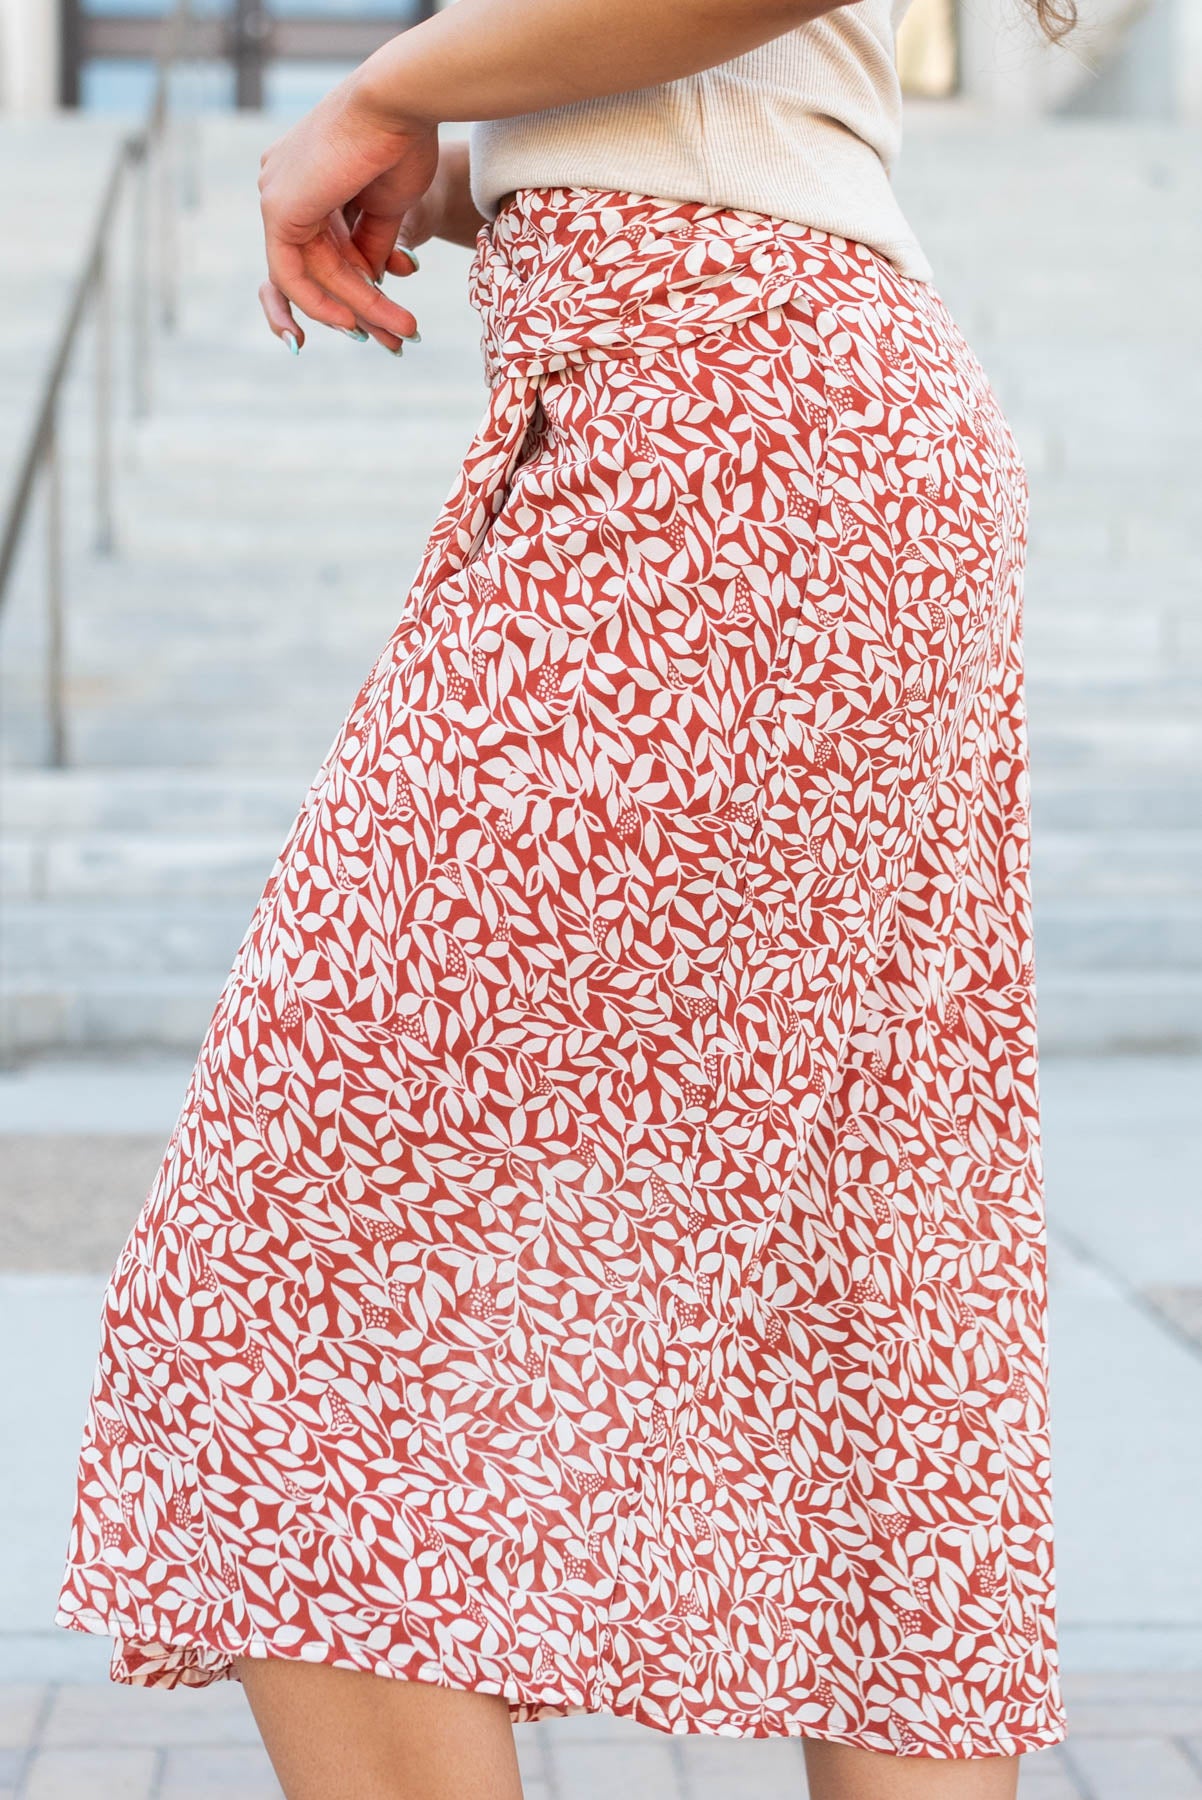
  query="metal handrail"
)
[{"x": 136, "y": 152}]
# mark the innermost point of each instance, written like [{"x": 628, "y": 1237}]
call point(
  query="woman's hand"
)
[
  {"x": 446, "y": 210},
  {"x": 333, "y": 192}
]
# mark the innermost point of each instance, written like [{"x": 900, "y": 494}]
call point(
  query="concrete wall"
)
[
  {"x": 28, "y": 56},
  {"x": 1127, "y": 59}
]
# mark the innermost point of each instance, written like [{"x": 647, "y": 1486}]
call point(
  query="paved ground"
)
[
  {"x": 1133, "y": 1740},
  {"x": 1123, "y": 1137}
]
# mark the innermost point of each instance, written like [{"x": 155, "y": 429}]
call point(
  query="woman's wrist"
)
[
  {"x": 460, "y": 218},
  {"x": 379, "y": 93}
]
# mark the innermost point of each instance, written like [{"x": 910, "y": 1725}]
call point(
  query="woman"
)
[{"x": 599, "y": 1262}]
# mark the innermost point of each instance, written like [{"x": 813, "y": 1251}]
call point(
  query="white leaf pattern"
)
[{"x": 599, "y": 1259}]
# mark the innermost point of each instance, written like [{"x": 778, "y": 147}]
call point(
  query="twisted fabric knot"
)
[
  {"x": 548, "y": 303},
  {"x": 638, "y": 275}
]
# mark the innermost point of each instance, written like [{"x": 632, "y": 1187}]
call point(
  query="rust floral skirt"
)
[{"x": 600, "y": 1256}]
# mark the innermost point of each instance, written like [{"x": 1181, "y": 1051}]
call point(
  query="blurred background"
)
[{"x": 203, "y": 545}]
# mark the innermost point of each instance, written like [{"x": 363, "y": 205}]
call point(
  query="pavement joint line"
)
[
  {"x": 1127, "y": 1290},
  {"x": 549, "y": 1774},
  {"x": 680, "y": 1769},
  {"x": 1167, "y": 1298},
  {"x": 158, "y": 1775},
  {"x": 1192, "y": 1755},
  {"x": 34, "y": 1744},
  {"x": 1083, "y": 1787}
]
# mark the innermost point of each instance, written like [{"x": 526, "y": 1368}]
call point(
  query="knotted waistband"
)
[{"x": 567, "y": 275}]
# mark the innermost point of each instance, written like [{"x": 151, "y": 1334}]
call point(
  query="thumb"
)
[
  {"x": 415, "y": 225},
  {"x": 377, "y": 234}
]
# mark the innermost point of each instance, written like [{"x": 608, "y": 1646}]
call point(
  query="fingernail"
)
[
  {"x": 410, "y": 252},
  {"x": 360, "y": 337},
  {"x": 399, "y": 351},
  {"x": 415, "y": 337},
  {"x": 290, "y": 339}
]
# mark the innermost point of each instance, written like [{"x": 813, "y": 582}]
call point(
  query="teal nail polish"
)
[
  {"x": 360, "y": 337},
  {"x": 410, "y": 253},
  {"x": 414, "y": 337},
  {"x": 290, "y": 339}
]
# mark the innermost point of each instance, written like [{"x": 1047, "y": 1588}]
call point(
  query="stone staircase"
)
[
  {"x": 272, "y": 512},
  {"x": 1070, "y": 254}
]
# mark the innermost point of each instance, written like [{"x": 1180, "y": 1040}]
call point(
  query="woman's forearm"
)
[{"x": 489, "y": 59}]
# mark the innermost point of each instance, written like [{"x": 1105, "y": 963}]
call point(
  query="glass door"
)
[{"x": 278, "y": 54}]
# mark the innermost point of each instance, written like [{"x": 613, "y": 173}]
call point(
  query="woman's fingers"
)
[
  {"x": 371, "y": 307},
  {"x": 312, "y": 299},
  {"x": 330, "y": 280},
  {"x": 325, "y": 287},
  {"x": 341, "y": 231},
  {"x": 356, "y": 260},
  {"x": 278, "y": 314}
]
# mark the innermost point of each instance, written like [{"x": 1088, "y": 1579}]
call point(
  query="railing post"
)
[
  {"x": 166, "y": 224},
  {"x": 139, "y": 309},
  {"x": 103, "y": 327},
  {"x": 55, "y": 700},
  {"x": 188, "y": 127}
]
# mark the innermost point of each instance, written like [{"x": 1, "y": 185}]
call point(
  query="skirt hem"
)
[{"x": 524, "y": 1706}]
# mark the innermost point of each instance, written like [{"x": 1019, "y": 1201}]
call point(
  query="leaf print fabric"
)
[{"x": 599, "y": 1259}]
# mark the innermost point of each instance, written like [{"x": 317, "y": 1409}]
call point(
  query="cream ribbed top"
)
[{"x": 805, "y": 127}]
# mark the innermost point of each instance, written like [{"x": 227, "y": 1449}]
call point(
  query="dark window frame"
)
[{"x": 249, "y": 37}]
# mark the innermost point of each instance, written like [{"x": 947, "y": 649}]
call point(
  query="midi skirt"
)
[{"x": 600, "y": 1256}]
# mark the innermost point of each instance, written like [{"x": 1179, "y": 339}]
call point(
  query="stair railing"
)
[{"x": 141, "y": 156}]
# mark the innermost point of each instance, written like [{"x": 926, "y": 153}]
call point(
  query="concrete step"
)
[
  {"x": 144, "y": 861},
  {"x": 327, "y": 451},
  {"x": 276, "y": 725},
  {"x": 168, "y": 1012},
  {"x": 72, "y": 939},
  {"x": 270, "y": 538},
  {"x": 1105, "y": 933},
  {"x": 1054, "y": 693},
  {"x": 1102, "y": 746},
  {"x": 163, "y": 798},
  {"x": 162, "y": 507},
  {"x": 225, "y": 611},
  {"x": 1143, "y": 1011},
  {"x": 434, "y": 387},
  {"x": 1063, "y": 638},
  {"x": 44, "y": 803},
  {"x": 137, "y": 633},
  {"x": 1132, "y": 865},
  {"x": 1119, "y": 801},
  {"x": 137, "y": 865}
]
